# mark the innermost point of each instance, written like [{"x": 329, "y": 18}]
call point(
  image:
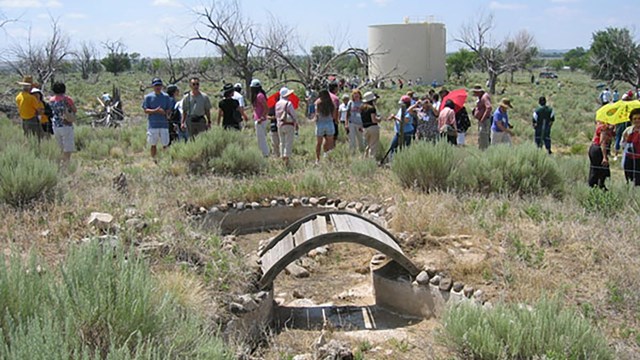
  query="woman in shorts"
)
[
  {"x": 63, "y": 128},
  {"x": 325, "y": 129}
]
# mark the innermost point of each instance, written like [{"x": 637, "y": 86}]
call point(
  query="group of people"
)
[
  {"x": 625, "y": 136},
  {"x": 41, "y": 118}
]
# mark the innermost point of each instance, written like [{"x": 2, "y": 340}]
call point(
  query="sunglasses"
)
[{"x": 195, "y": 84}]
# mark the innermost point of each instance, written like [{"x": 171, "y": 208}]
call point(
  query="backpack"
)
[{"x": 462, "y": 120}]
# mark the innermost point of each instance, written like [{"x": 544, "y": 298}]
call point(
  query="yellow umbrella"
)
[{"x": 617, "y": 112}]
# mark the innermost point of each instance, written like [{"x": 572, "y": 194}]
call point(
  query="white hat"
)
[
  {"x": 285, "y": 91},
  {"x": 255, "y": 83},
  {"x": 36, "y": 90},
  {"x": 368, "y": 96},
  {"x": 237, "y": 86}
]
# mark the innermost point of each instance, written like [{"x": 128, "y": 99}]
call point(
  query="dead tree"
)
[
  {"x": 41, "y": 60},
  {"x": 234, "y": 36},
  {"x": 495, "y": 58},
  {"x": 87, "y": 60}
]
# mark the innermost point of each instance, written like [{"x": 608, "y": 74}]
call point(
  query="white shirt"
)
[
  {"x": 343, "y": 109},
  {"x": 239, "y": 97}
]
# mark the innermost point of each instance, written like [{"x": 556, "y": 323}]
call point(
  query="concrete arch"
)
[{"x": 326, "y": 228}]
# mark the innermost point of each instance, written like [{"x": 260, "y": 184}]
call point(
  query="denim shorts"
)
[{"x": 325, "y": 129}]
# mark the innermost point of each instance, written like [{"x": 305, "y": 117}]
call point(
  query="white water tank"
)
[{"x": 408, "y": 51}]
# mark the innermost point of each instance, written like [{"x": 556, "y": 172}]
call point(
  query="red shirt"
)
[
  {"x": 599, "y": 129},
  {"x": 634, "y": 139}
]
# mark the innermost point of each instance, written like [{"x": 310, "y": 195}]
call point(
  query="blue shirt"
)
[
  {"x": 153, "y": 101},
  {"x": 408, "y": 126},
  {"x": 499, "y": 116}
]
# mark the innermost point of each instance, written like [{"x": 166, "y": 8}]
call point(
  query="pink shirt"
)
[
  {"x": 483, "y": 108},
  {"x": 447, "y": 117},
  {"x": 285, "y": 105},
  {"x": 260, "y": 108}
]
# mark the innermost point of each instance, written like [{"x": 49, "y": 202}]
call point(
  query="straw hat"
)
[{"x": 27, "y": 80}]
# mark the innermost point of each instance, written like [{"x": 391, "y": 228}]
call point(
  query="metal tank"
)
[{"x": 409, "y": 51}]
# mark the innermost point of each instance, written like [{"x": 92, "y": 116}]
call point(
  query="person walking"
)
[
  {"x": 157, "y": 105},
  {"x": 259, "y": 103},
  {"x": 229, "y": 110},
  {"x": 354, "y": 121},
  {"x": 370, "y": 120},
  {"x": 482, "y": 112},
  {"x": 325, "y": 129},
  {"x": 599, "y": 169},
  {"x": 29, "y": 108},
  {"x": 500, "y": 128},
  {"x": 196, "y": 110},
  {"x": 543, "y": 118},
  {"x": 175, "y": 118},
  {"x": 62, "y": 124},
  {"x": 287, "y": 123}
]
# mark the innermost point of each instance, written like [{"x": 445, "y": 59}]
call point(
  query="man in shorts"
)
[{"x": 157, "y": 105}]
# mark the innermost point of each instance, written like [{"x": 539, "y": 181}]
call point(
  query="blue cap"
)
[{"x": 156, "y": 81}]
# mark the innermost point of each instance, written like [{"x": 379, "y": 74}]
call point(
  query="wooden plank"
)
[
  {"x": 282, "y": 248},
  {"x": 340, "y": 223},
  {"x": 311, "y": 229}
]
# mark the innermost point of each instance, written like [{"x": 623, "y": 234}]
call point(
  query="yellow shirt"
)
[{"x": 28, "y": 105}]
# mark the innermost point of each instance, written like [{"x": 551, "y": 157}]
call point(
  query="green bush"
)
[
  {"x": 24, "y": 177},
  {"x": 239, "y": 160},
  {"x": 313, "y": 183},
  {"x": 620, "y": 197},
  {"x": 522, "y": 169},
  {"x": 515, "y": 332},
  {"x": 102, "y": 303},
  {"x": 207, "y": 146},
  {"x": 425, "y": 165}
]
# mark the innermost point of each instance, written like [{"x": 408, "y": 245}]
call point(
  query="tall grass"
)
[
  {"x": 24, "y": 177},
  {"x": 100, "y": 303},
  {"x": 520, "y": 169},
  {"x": 511, "y": 331}
]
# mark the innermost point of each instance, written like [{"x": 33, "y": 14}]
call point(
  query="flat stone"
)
[
  {"x": 379, "y": 257},
  {"x": 296, "y": 203},
  {"x": 319, "y": 251},
  {"x": 445, "y": 284},
  {"x": 342, "y": 205},
  {"x": 303, "y": 357},
  {"x": 435, "y": 280},
  {"x": 374, "y": 208},
  {"x": 261, "y": 295},
  {"x": 297, "y": 271},
  {"x": 330, "y": 202},
  {"x": 240, "y": 205},
  {"x": 274, "y": 203},
  {"x": 468, "y": 291},
  {"x": 478, "y": 296},
  {"x": 297, "y": 294},
  {"x": 422, "y": 278},
  {"x": 431, "y": 271},
  {"x": 322, "y": 200},
  {"x": 281, "y": 200},
  {"x": 100, "y": 220},
  {"x": 255, "y": 205},
  {"x": 458, "y": 286},
  {"x": 287, "y": 200},
  {"x": 314, "y": 201},
  {"x": 359, "y": 206},
  {"x": 392, "y": 210},
  {"x": 304, "y": 200},
  {"x": 223, "y": 207},
  {"x": 351, "y": 205},
  {"x": 136, "y": 224}
]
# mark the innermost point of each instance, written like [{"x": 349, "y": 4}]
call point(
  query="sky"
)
[{"x": 143, "y": 25}]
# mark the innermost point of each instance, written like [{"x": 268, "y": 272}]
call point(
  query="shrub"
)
[
  {"x": 515, "y": 332},
  {"x": 24, "y": 177},
  {"x": 425, "y": 165},
  {"x": 200, "y": 153},
  {"x": 313, "y": 183},
  {"x": 238, "y": 160},
  {"x": 102, "y": 303}
]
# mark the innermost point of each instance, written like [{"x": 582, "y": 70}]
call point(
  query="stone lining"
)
[{"x": 270, "y": 214}]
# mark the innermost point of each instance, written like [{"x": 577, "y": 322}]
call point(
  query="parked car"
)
[{"x": 548, "y": 75}]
